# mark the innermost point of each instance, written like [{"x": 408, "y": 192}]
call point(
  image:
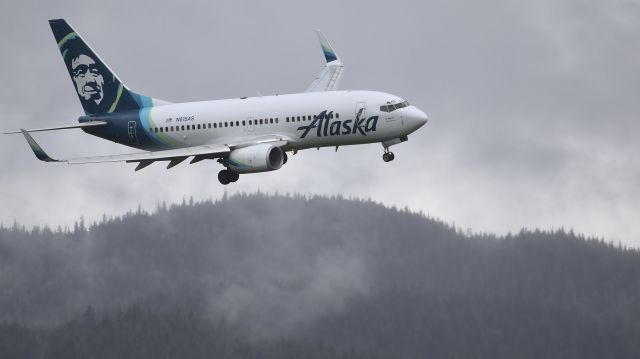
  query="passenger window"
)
[
  {"x": 286, "y": 119},
  {"x": 243, "y": 123},
  {"x": 237, "y": 123},
  {"x": 161, "y": 129},
  {"x": 276, "y": 120},
  {"x": 298, "y": 118},
  {"x": 230, "y": 123},
  {"x": 337, "y": 115},
  {"x": 261, "y": 121},
  {"x": 226, "y": 124},
  {"x": 270, "y": 120}
]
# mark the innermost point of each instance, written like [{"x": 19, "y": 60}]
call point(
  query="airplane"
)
[{"x": 245, "y": 135}]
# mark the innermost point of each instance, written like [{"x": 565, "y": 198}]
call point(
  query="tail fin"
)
[{"x": 99, "y": 89}]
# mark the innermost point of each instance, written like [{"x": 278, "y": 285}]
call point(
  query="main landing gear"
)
[
  {"x": 226, "y": 176},
  {"x": 388, "y": 156}
]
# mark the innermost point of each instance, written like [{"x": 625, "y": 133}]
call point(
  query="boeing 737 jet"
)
[{"x": 245, "y": 135}]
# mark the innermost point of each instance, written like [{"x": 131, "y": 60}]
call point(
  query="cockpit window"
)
[{"x": 389, "y": 107}]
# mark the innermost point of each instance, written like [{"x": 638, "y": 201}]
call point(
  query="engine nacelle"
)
[{"x": 256, "y": 158}]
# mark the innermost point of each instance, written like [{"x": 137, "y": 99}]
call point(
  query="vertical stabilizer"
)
[{"x": 99, "y": 89}]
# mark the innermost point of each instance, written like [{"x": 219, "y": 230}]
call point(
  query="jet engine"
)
[{"x": 256, "y": 158}]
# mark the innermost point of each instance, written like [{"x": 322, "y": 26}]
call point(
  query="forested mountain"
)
[{"x": 282, "y": 276}]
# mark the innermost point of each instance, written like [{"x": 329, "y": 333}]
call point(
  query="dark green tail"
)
[{"x": 100, "y": 91}]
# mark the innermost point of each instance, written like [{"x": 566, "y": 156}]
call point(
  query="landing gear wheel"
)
[
  {"x": 388, "y": 156},
  {"x": 225, "y": 177}
]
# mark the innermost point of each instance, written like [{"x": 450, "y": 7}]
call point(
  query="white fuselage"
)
[{"x": 304, "y": 120}]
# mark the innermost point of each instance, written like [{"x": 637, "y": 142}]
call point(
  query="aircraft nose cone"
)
[
  {"x": 419, "y": 118},
  {"x": 422, "y": 118}
]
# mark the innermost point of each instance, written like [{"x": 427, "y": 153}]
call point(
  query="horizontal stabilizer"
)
[{"x": 81, "y": 125}]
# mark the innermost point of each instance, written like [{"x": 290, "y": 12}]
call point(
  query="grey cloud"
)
[{"x": 533, "y": 105}]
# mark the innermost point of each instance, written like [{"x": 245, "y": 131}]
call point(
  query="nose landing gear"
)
[
  {"x": 226, "y": 176},
  {"x": 388, "y": 156}
]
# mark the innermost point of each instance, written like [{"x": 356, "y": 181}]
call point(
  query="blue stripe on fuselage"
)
[{"x": 117, "y": 129}]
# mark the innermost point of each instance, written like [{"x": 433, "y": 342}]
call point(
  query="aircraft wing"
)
[
  {"x": 277, "y": 140},
  {"x": 174, "y": 156},
  {"x": 329, "y": 78}
]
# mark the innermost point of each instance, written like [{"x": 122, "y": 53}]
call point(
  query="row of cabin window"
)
[
  {"x": 237, "y": 123},
  {"x": 214, "y": 125},
  {"x": 307, "y": 118}
]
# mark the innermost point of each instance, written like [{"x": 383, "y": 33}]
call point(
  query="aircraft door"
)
[{"x": 133, "y": 136}]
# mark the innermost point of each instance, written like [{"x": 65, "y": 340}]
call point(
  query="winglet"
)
[
  {"x": 329, "y": 78},
  {"x": 35, "y": 147},
  {"x": 329, "y": 54}
]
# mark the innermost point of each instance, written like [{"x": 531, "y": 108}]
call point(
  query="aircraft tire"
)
[{"x": 223, "y": 177}]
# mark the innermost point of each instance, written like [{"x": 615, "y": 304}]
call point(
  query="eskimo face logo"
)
[
  {"x": 326, "y": 126},
  {"x": 88, "y": 78}
]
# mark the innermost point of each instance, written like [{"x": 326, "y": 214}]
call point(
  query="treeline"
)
[
  {"x": 139, "y": 334},
  {"x": 347, "y": 275}
]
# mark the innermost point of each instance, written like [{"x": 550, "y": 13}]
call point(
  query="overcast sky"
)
[{"x": 533, "y": 105}]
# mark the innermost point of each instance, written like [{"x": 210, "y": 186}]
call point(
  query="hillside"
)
[{"x": 347, "y": 276}]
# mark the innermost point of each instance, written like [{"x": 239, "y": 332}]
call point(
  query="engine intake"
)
[{"x": 256, "y": 158}]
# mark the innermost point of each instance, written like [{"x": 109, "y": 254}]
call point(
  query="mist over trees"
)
[{"x": 287, "y": 276}]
